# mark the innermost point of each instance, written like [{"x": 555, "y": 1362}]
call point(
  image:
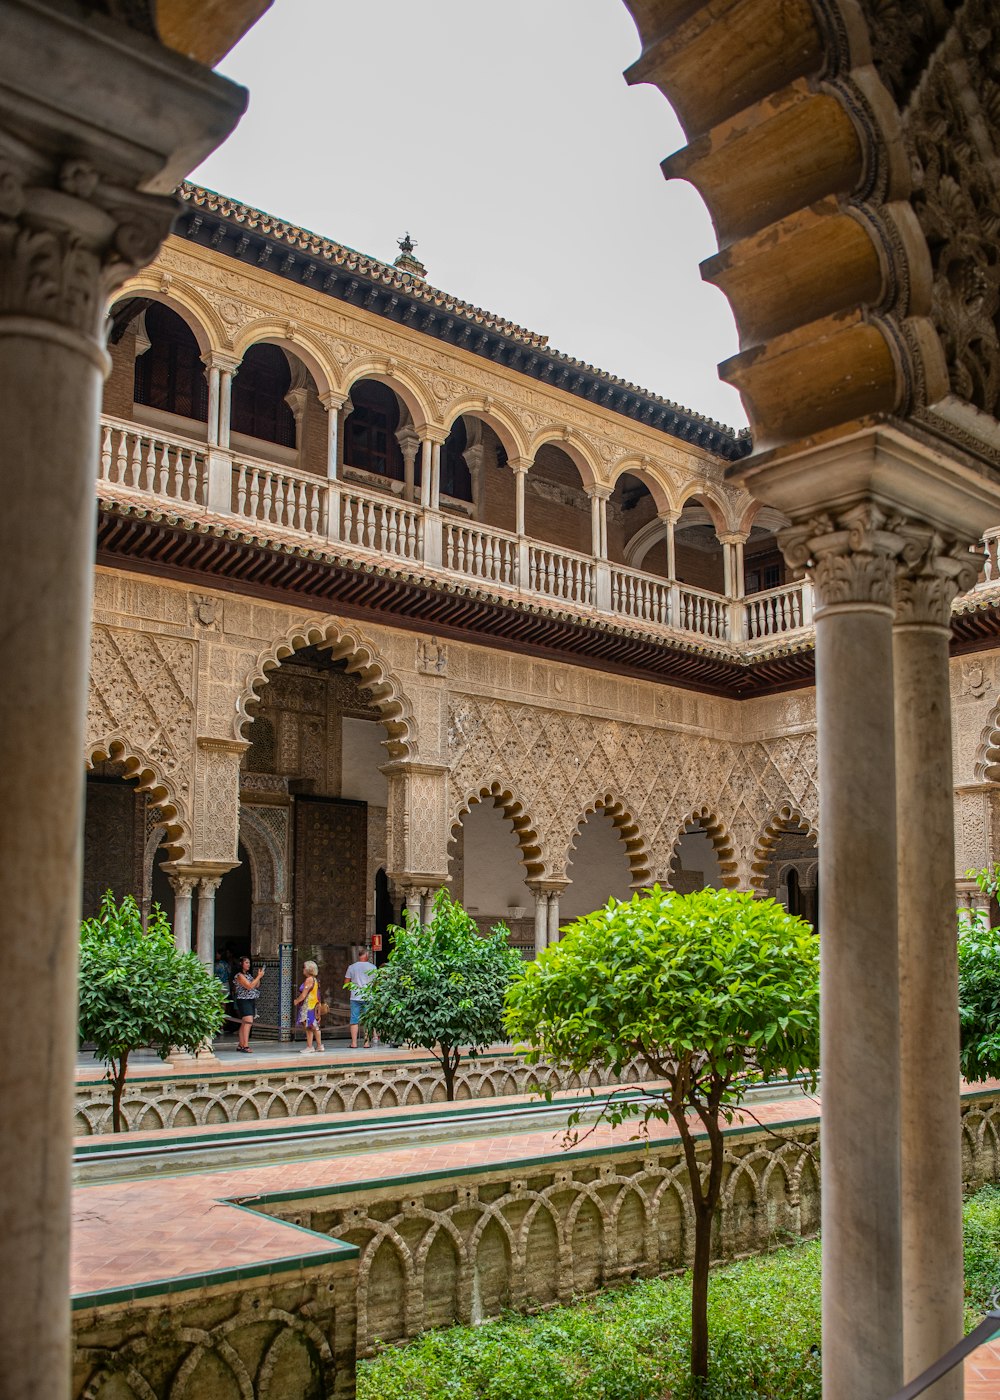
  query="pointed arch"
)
[
  {"x": 293, "y": 339},
  {"x": 495, "y": 415},
  {"x": 513, "y": 809},
  {"x": 626, "y": 828},
  {"x": 716, "y": 832},
  {"x": 144, "y": 772},
  {"x": 786, "y": 818},
  {"x": 401, "y": 380},
  {"x": 363, "y": 660}
]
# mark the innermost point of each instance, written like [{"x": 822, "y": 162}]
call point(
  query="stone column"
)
[
  {"x": 929, "y": 579},
  {"x": 107, "y": 122},
  {"x": 333, "y": 403},
  {"x": 436, "y": 476},
  {"x": 415, "y": 902},
  {"x": 226, "y": 375},
  {"x": 426, "y": 454},
  {"x": 852, "y": 557},
  {"x": 541, "y": 920},
  {"x": 408, "y": 445},
  {"x": 206, "y": 920},
  {"x": 595, "y": 525},
  {"x": 553, "y": 916},
  {"x": 520, "y": 470},
  {"x": 213, "y": 400},
  {"x": 183, "y": 888},
  {"x": 669, "y": 518}
]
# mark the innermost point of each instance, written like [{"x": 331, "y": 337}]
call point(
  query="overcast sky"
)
[{"x": 505, "y": 139}]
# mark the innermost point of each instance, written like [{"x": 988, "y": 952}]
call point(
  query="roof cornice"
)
[{"x": 257, "y": 239}]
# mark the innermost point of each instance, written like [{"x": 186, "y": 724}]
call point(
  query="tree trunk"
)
[
  {"x": 449, "y": 1073},
  {"x": 699, "y": 1290},
  {"x": 117, "y": 1090}
]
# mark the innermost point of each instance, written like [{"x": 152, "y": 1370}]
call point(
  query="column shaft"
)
[
  {"x": 50, "y": 397},
  {"x": 553, "y": 916},
  {"x": 929, "y": 1024},
  {"x": 436, "y": 476},
  {"x": 206, "y": 921},
  {"x": 225, "y": 405},
  {"x": 332, "y": 435},
  {"x": 182, "y": 887},
  {"x": 595, "y": 526},
  {"x": 213, "y": 405},
  {"x": 519, "y": 477},
  {"x": 426, "y": 452},
  {"x": 862, "y": 1318},
  {"x": 541, "y": 921}
]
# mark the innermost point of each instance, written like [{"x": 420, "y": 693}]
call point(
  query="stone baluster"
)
[{"x": 102, "y": 117}]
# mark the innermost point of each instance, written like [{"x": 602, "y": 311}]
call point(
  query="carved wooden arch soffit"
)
[
  {"x": 363, "y": 661},
  {"x": 713, "y": 828},
  {"x": 788, "y": 819},
  {"x": 175, "y": 838},
  {"x": 848, "y": 152},
  {"x": 626, "y": 829},
  {"x": 513, "y": 809}
]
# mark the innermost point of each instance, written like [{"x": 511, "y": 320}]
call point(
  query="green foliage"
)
[
  {"x": 979, "y": 987},
  {"x": 443, "y": 986},
  {"x": 706, "y": 987},
  {"x": 137, "y": 990},
  {"x": 629, "y": 1343},
  {"x": 981, "y": 1228},
  {"x": 710, "y": 990}
]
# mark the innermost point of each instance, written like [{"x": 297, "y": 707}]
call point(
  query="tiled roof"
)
[{"x": 536, "y": 357}]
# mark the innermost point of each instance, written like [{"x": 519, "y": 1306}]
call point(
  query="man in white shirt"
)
[{"x": 357, "y": 977}]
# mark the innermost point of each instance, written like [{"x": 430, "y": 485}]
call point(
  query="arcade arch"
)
[
  {"x": 702, "y": 856},
  {"x": 557, "y": 506},
  {"x": 599, "y": 866}
]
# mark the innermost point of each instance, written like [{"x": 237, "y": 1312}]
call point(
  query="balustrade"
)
[
  {"x": 704, "y": 613},
  {"x": 154, "y": 463},
  {"x": 555, "y": 573},
  {"x": 777, "y": 610},
  {"x": 144, "y": 460},
  {"x": 381, "y": 524},
  {"x": 478, "y": 552},
  {"x": 639, "y": 596},
  {"x": 279, "y": 496}
]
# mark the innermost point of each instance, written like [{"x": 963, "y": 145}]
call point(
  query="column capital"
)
[
  {"x": 219, "y": 359},
  {"x": 183, "y": 886},
  {"x": 851, "y": 555},
  {"x": 520, "y": 465},
  {"x": 668, "y": 517},
  {"x": 556, "y": 885},
  {"x": 733, "y": 536},
  {"x": 599, "y": 490},
  {"x": 931, "y": 572},
  {"x": 207, "y": 886},
  {"x": 334, "y": 402},
  {"x": 432, "y": 433}
]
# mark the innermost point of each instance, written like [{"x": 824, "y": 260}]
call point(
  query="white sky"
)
[{"x": 506, "y": 140}]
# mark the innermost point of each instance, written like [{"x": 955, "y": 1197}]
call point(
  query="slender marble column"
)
[
  {"x": 853, "y": 562},
  {"x": 436, "y": 476},
  {"x": 595, "y": 525},
  {"x": 929, "y": 1022},
  {"x": 333, "y": 405},
  {"x": 541, "y": 920},
  {"x": 414, "y": 902},
  {"x": 183, "y": 888},
  {"x": 426, "y": 474},
  {"x": 520, "y": 474},
  {"x": 226, "y": 374},
  {"x": 213, "y": 405},
  {"x": 553, "y": 916},
  {"x": 206, "y": 920}
]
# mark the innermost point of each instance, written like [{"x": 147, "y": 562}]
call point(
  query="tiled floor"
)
[
  {"x": 982, "y": 1373},
  {"x": 168, "y": 1227}
]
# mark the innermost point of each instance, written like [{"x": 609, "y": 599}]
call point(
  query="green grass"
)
[{"x": 631, "y": 1343}]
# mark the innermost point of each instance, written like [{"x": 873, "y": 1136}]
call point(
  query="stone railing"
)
[
  {"x": 194, "y": 1098},
  {"x": 137, "y": 460}
]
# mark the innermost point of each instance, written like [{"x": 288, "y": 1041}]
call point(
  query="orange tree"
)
[{"x": 711, "y": 991}]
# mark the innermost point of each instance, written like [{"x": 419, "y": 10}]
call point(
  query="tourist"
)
[
  {"x": 246, "y": 990},
  {"x": 357, "y": 976},
  {"x": 308, "y": 1002}
]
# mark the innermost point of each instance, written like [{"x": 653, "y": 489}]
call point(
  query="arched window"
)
[
  {"x": 170, "y": 375},
  {"x": 370, "y": 431},
  {"x": 259, "y": 389}
]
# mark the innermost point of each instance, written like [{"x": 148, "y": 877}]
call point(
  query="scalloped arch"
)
[
  {"x": 786, "y": 818},
  {"x": 986, "y": 768},
  {"x": 364, "y": 661},
  {"x": 627, "y": 830},
  {"x": 141, "y": 769},
  {"x": 513, "y": 809},
  {"x": 716, "y": 831}
]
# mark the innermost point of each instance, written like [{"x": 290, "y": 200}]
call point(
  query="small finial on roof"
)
[{"x": 406, "y": 262}]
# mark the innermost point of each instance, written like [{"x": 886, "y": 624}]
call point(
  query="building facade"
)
[{"x": 391, "y": 596}]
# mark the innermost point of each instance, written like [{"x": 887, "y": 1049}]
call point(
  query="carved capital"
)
[
  {"x": 851, "y": 556},
  {"x": 183, "y": 886},
  {"x": 68, "y": 239},
  {"x": 931, "y": 572}
]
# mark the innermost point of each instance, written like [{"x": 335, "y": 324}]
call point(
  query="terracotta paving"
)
[
  {"x": 264, "y": 1061},
  {"x": 982, "y": 1373},
  {"x": 128, "y": 1234}
]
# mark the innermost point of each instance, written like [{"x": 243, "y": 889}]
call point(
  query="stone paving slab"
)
[
  {"x": 129, "y": 1235},
  {"x": 982, "y": 1373}
]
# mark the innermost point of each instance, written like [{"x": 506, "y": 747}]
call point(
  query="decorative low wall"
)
[
  {"x": 194, "y": 1098},
  {"x": 436, "y": 1252},
  {"x": 287, "y": 1336}
]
